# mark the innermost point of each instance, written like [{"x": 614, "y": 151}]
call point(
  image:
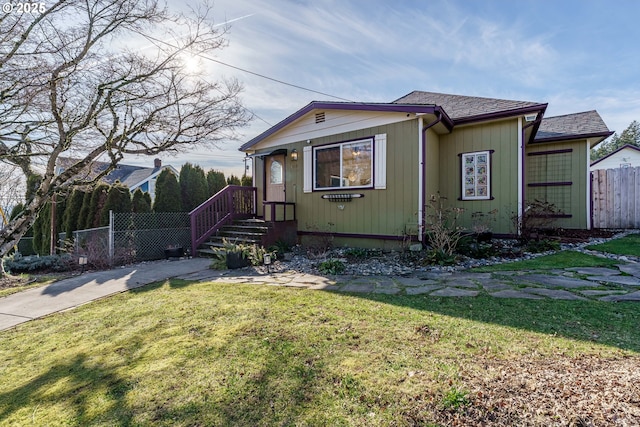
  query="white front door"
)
[{"x": 275, "y": 191}]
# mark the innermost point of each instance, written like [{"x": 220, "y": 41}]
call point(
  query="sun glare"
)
[{"x": 192, "y": 64}]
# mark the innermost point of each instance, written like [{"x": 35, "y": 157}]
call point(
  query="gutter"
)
[{"x": 422, "y": 178}]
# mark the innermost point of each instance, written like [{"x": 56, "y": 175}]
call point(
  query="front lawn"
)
[
  {"x": 182, "y": 354},
  {"x": 558, "y": 260},
  {"x": 628, "y": 245}
]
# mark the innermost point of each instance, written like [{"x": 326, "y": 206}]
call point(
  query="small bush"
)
[
  {"x": 279, "y": 248},
  {"x": 20, "y": 264},
  {"x": 356, "y": 253},
  {"x": 439, "y": 257},
  {"x": 332, "y": 266},
  {"x": 469, "y": 246}
]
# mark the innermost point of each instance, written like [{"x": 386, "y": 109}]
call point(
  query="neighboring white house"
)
[
  {"x": 133, "y": 177},
  {"x": 627, "y": 156}
]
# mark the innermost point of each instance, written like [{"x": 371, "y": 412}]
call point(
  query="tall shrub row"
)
[{"x": 85, "y": 208}]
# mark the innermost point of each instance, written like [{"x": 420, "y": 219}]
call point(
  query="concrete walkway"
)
[
  {"x": 69, "y": 293},
  {"x": 603, "y": 284}
]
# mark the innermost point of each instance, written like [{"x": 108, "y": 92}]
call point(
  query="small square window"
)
[{"x": 476, "y": 175}]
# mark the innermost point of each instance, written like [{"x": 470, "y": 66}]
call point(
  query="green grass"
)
[
  {"x": 628, "y": 245},
  {"x": 180, "y": 353},
  {"x": 558, "y": 260}
]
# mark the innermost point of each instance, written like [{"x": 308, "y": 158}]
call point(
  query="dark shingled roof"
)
[
  {"x": 464, "y": 107},
  {"x": 588, "y": 123},
  {"x": 128, "y": 175}
]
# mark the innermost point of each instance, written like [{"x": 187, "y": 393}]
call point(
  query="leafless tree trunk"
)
[{"x": 99, "y": 79}]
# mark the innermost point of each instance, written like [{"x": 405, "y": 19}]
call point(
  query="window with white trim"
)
[
  {"x": 476, "y": 175},
  {"x": 343, "y": 165}
]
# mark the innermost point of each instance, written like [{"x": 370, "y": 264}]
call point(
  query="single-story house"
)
[
  {"x": 133, "y": 177},
  {"x": 627, "y": 156},
  {"x": 363, "y": 173}
]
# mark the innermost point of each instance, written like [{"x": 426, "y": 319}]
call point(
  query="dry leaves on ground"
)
[{"x": 580, "y": 392}]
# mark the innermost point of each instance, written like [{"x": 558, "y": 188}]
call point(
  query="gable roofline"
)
[
  {"x": 352, "y": 106},
  {"x": 465, "y": 109},
  {"x": 584, "y": 125},
  {"x": 636, "y": 148},
  {"x": 153, "y": 172}
]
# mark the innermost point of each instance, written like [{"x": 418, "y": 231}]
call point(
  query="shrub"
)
[
  {"x": 331, "y": 266},
  {"x": 356, "y": 253},
  {"x": 440, "y": 257},
  {"x": 279, "y": 248},
  {"x": 443, "y": 232},
  {"x": 19, "y": 264}
]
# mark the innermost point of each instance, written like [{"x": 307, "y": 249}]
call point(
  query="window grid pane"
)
[{"x": 476, "y": 176}]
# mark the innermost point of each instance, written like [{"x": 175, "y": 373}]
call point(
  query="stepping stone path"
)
[{"x": 578, "y": 283}]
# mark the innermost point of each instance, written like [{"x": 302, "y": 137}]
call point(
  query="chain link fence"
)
[
  {"x": 145, "y": 236},
  {"x": 131, "y": 237}
]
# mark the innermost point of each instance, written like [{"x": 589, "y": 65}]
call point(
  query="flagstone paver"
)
[
  {"x": 453, "y": 292},
  {"x": 422, "y": 289},
  {"x": 556, "y": 281},
  {"x": 620, "y": 280},
  {"x": 461, "y": 283},
  {"x": 595, "y": 271},
  {"x": 600, "y": 293},
  {"x": 512, "y": 293},
  {"x": 634, "y": 296},
  {"x": 414, "y": 281},
  {"x": 553, "y": 293},
  {"x": 633, "y": 269},
  {"x": 386, "y": 290},
  {"x": 554, "y": 284}
]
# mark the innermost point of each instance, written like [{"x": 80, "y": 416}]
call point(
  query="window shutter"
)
[
  {"x": 307, "y": 168},
  {"x": 380, "y": 150}
]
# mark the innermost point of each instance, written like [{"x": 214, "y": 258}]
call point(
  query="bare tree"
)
[
  {"x": 12, "y": 188},
  {"x": 93, "y": 79}
]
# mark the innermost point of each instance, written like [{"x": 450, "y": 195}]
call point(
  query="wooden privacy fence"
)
[{"x": 615, "y": 198}]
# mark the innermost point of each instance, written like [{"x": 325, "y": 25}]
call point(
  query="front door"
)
[{"x": 275, "y": 178}]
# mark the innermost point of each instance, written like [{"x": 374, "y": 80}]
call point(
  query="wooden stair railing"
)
[{"x": 230, "y": 203}]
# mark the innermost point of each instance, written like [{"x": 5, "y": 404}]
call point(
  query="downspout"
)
[
  {"x": 521, "y": 205},
  {"x": 423, "y": 173}
]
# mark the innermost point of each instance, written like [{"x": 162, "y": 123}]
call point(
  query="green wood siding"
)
[
  {"x": 380, "y": 212},
  {"x": 502, "y": 137},
  {"x": 560, "y": 167}
]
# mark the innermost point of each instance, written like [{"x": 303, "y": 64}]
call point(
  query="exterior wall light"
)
[{"x": 294, "y": 155}]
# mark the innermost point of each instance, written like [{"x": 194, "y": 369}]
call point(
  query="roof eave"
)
[
  {"x": 602, "y": 135},
  {"x": 356, "y": 106},
  {"x": 614, "y": 152},
  {"x": 502, "y": 114}
]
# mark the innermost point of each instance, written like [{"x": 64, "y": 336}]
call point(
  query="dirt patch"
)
[
  {"x": 579, "y": 392},
  {"x": 7, "y": 282}
]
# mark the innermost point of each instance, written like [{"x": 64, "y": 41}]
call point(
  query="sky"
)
[{"x": 574, "y": 55}]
